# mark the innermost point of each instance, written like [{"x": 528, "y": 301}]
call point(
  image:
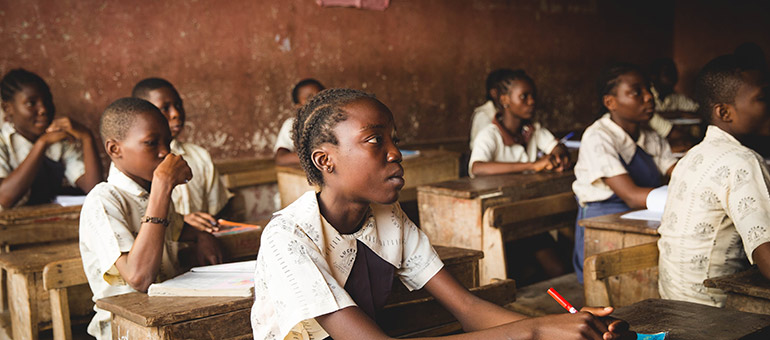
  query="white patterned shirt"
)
[
  {"x": 205, "y": 192},
  {"x": 302, "y": 266},
  {"x": 14, "y": 149},
  {"x": 489, "y": 146},
  {"x": 482, "y": 116},
  {"x": 601, "y": 148},
  {"x": 717, "y": 212},
  {"x": 109, "y": 223},
  {"x": 283, "y": 140}
]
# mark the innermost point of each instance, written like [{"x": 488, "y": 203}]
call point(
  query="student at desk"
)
[
  {"x": 129, "y": 233},
  {"x": 328, "y": 260},
  {"x": 620, "y": 160},
  {"x": 285, "y": 153},
  {"x": 718, "y": 210}
]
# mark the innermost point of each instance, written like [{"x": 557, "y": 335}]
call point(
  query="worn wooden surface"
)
[
  {"x": 246, "y": 172},
  {"x": 601, "y": 267},
  {"x": 240, "y": 244},
  {"x": 38, "y": 224},
  {"x": 610, "y": 232},
  {"x": 691, "y": 321},
  {"x": 452, "y": 212},
  {"x": 747, "y": 291},
  {"x": 429, "y": 167},
  {"x": 58, "y": 277}
]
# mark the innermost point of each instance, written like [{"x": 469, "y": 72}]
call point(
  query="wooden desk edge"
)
[
  {"x": 116, "y": 305},
  {"x": 613, "y": 222}
]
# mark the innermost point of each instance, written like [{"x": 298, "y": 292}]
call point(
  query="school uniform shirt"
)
[
  {"x": 717, "y": 212},
  {"x": 603, "y": 145},
  {"x": 482, "y": 116},
  {"x": 673, "y": 102},
  {"x": 283, "y": 140},
  {"x": 303, "y": 265},
  {"x": 109, "y": 223},
  {"x": 205, "y": 191},
  {"x": 14, "y": 149},
  {"x": 661, "y": 125},
  {"x": 496, "y": 145}
]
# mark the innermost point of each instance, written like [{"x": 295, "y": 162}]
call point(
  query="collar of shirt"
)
[
  {"x": 713, "y": 132},
  {"x": 487, "y": 109},
  {"x": 123, "y": 182},
  {"x": 626, "y": 145},
  {"x": 177, "y": 147}
]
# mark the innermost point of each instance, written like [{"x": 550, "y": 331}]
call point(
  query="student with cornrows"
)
[
  {"x": 41, "y": 157},
  {"x": 329, "y": 259},
  {"x": 621, "y": 159}
]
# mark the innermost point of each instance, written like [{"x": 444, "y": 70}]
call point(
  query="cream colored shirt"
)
[
  {"x": 482, "y": 116},
  {"x": 489, "y": 147},
  {"x": 14, "y": 149},
  {"x": 109, "y": 222},
  {"x": 717, "y": 212},
  {"x": 205, "y": 191},
  {"x": 661, "y": 125},
  {"x": 283, "y": 140},
  {"x": 602, "y": 146},
  {"x": 302, "y": 266}
]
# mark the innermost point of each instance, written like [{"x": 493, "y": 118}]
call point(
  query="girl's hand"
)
[
  {"x": 172, "y": 171},
  {"x": 53, "y": 137},
  {"x": 69, "y": 126},
  {"x": 207, "y": 249},
  {"x": 202, "y": 221},
  {"x": 561, "y": 158},
  {"x": 544, "y": 163}
]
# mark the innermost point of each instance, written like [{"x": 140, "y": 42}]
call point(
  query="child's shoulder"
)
[{"x": 102, "y": 193}]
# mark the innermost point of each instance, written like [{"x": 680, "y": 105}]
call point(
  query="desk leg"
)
[
  {"x": 22, "y": 300},
  {"x": 493, "y": 263}
]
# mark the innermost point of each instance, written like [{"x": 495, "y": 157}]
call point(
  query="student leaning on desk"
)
[{"x": 129, "y": 233}]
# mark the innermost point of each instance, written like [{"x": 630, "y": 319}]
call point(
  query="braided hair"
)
[
  {"x": 609, "y": 79},
  {"x": 502, "y": 81},
  {"x": 314, "y": 123},
  {"x": 16, "y": 79}
]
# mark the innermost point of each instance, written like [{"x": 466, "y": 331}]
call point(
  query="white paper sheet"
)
[
  {"x": 656, "y": 202},
  {"x": 235, "y": 267},
  {"x": 66, "y": 201}
]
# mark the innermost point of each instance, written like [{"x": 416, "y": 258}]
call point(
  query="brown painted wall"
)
[
  {"x": 234, "y": 62},
  {"x": 704, "y": 30}
]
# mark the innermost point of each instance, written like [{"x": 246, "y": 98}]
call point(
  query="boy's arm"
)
[
  {"x": 140, "y": 265},
  {"x": 15, "y": 185},
  {"x": 761, "y": 256}
]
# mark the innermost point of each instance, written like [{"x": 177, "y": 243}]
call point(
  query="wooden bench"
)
[
  {"x": 603, "y": 286},
  {"x": 58, "y": 276}
]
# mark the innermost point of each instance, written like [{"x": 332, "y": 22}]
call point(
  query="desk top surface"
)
[
  {"x": 470, "y": 188},
  {"x": 687, "y": 320},
  {"x": 153, "y": 311},
  {"x": 614, "y": 222},
  {"x": 34, "y": 258},
  {"x": 31, "y": 213},
  {"x": 749, "y": 282}
]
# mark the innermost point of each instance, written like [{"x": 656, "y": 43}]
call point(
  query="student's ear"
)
[
  {"x": 322, "y": 160},
  {"x": 112, "y": 147},
  {"x": 723, "y": 112},
  {"x": 609, "y": 102}
]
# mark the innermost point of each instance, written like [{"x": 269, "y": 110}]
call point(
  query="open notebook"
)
[
  {"x": 229, "y": 279},
  {"x": 656, "y": 201}
]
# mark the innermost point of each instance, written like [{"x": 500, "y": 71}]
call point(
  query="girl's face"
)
[
  {"x": 520, "y": 100},
  {"x": 30, "y": 110},
  {"x": 632, "y": 100},
  {"x": 366, "y": 161}
]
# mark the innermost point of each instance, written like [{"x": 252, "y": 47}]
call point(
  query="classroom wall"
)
[
  {"x": 704, "y": 30},
  {"x": 234, "y": 62}
]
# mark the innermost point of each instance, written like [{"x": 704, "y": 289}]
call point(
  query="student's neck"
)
[
  {"x": 511, "y": 122},
  {"x": 631, "y": 128},
  {"x": 342, "y": 214},
  {"x": 138, "y": 180}
]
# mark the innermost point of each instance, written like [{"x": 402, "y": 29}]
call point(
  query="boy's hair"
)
[
  {"x": 142, "y": 88},
  {"x": 119, "y": 116},
  {"x": 314, "y": 123},
  {"x": 15, "y": 79},
  {"x": 718, "y": 82},
  {"x": 302, "y": 83},
  {"x": 608, "y": 81},
  {"x": 502, "y": 80}
]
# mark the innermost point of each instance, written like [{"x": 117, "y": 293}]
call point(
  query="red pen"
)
[{"x": 556, "y": 296}]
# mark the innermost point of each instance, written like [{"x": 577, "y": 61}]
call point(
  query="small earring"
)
[{"x": 330, "y": 169}]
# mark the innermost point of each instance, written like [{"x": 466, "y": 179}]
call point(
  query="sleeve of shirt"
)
[
  {"x": 480, "y": 121},
  {"x": 104, "y": 229},
  {"x": 484, "y": 148},
  {"x": 72, "y": 158},
  {"x": 284, "y": 136},
  {"x": 295, "y": 277},
  {"x": 598, "y": 157},
  {"x": 216, "y": 192},
  {"x": 421, "y": 262},
  {"x": 748, "y": 203},
  {"x": 5, "y": 161},
  {"x": 665, "y": 159},
  {"x": 545, "y": 139},
  {"x": 661, "y": 125}
]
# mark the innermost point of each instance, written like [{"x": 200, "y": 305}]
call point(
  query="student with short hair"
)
[
  {"x": 621, "y": 159},
  {"x": 664, "y": 76},
  {"x": 717, "y": 213},
  {"x": 328, "y": 260},
  {"x": 512, "y": 141},
  {"x": 204, "y": 196},
  {"x": 303, "y": 91},
  {"x": 128, "y": 228},
  {"x": 40, "y": 156}
]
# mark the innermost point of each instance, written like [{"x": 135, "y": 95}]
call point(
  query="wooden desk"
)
[
  {"x": 747, "y": 291},
  {"x": 29, "y": 303},
  {"x": 452, "y": 212},
  {"x": 38, "y": 224},
  {"x": 686, "y": 321},
  {"x": 610, "y": 232},
  {"x": 429, "y": 167}
]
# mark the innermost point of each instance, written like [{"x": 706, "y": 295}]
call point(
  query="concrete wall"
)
[{"x": 234, "y": 62}]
